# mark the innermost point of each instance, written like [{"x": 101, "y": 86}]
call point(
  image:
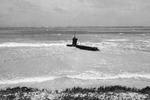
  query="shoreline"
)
[{"x": 64, "y": 83}]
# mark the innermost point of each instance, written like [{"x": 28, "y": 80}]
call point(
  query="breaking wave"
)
[
  {"x": 86, "y": 76},
  {"x": 142, "y": 45},
  {"x": 26, "y": 80},
  {"x": 117, "y": 40},
  {"x": 82, "y": 76},
  {"x": 14, "y": 44}
]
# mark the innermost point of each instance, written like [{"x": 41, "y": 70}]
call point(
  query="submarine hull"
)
[
  {"x": 70, "y": 45},
  {"x": 84, "y": 47},
  {"x": 87, "y": 48}
]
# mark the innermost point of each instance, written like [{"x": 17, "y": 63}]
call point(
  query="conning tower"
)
[{"x": 74, "y": 40}]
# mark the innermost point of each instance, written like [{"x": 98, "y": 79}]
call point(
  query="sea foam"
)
[
  {"x": 14, "y": 44},
  {"x": 102, "y": 76},
  {"x": 82, "y": 76},
  {"x": 117, "y": 40},
  {"x": 27, "y": 80}
]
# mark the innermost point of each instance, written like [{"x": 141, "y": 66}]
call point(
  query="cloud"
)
[
  {"x": 74, "y": 12},
  {"x": 19, "y": 13},
  {"x": 119, "y": 12},
  {"x": 116, "y": 5},
  {"x": 18, "y": 6}
]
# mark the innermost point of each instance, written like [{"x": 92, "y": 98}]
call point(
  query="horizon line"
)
[{"x": 72, "y": 26}]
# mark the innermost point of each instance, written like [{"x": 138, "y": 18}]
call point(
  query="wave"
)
[
  {"x": 27, "y": 80},
  {"x": 59, "y": 43},
  {"x": 117, "y": 40},
  {"x": 142, "y": 45},
  {"x": 14, "y": 44},
  {"x": 83, "y": 76},
  {"x": 102, "y": 76}
]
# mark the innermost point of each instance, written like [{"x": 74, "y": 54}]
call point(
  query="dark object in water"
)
[
  {"x": 87, "y": 48},
  {"x": 74, "y": 44},
  {"x": 70, "y": 45},
  {"x": 84, "y": 47}
]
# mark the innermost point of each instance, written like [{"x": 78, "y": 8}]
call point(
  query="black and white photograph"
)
[{"x": 74, "y": 49}]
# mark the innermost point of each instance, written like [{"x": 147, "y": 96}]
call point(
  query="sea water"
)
[{"x": 41, "y": 58}]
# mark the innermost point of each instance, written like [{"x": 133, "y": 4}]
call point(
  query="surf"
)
[{"x": 15, "y": 44}]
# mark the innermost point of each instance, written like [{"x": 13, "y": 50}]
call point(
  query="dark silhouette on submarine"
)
[{"x": 74, "y": 44}]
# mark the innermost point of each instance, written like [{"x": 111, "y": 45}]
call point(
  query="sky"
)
[{"x": 50, "y": 13}]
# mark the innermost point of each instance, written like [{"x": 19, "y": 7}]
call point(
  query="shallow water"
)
[{"x": 43, "y": 59}]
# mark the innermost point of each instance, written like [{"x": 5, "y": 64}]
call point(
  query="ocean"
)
[{"x": 39, "y": 57}]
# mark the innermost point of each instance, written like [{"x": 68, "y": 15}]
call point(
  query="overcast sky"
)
[{"x": 74, "y": 12}]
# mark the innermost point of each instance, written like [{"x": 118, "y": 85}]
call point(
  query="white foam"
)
[
  {"x": 14, "y": 44},
  {"x": 121, "y": 33},
  {"x": 89, "y": 75},
  {"x": 102, "y": 76},
  {"x": 27, "y": 80},
  {"x": 113, "y": 40},
  {"x": 106, "y": 45}
]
